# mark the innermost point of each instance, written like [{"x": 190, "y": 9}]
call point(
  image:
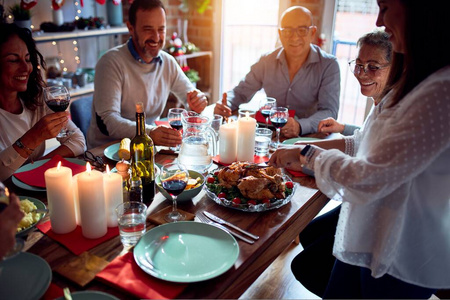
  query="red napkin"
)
[
  {"x": 36, "y": 177},
  {"x": 260, "y": 118},
  {"x": 296, "y": 173},
  {"x": 166, "y": 123},
  {"x": 256, "y": 159},
  {"x": 123, "y": 272},
  {"x": 75, "y": 241},
  {"x": 53, "y": 292}
]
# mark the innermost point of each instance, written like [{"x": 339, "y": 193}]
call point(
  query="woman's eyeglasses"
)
[
  {"x": 370, "y": 68},
  {"x": 96, "y": 161}
]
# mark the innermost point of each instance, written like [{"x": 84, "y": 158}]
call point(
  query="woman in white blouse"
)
[
  {"x": 25, "y": 121},
  {"x": 392, "y": 238}
]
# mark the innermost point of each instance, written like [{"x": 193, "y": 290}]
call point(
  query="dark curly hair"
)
[{"x": 32, "y": 96}]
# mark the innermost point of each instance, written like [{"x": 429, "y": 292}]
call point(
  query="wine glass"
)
[
  {"x": 57, "y": 98},
  {"x": 279, "y": 117},
  {"x": 174, "y": 118},
  {"x": 174, "y": 178},
  {"x": 265, "y": 105}
]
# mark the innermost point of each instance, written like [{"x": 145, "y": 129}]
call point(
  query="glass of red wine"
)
[
  {"x": 174, "y": 118},
  {"x": 265, "y": 105},
  {"x": 57, "y": 98},
  {"x": 174, "y": 178},
  {"x": 279, "y": 117}
]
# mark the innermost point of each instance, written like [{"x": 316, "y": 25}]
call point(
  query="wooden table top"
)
[{"x": 277, "y": 229}]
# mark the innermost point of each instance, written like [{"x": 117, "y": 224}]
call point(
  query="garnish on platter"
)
[{"x": 249, "y": 187}]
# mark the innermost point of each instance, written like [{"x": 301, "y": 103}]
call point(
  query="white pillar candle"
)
[
  {"x": 246, "y": 138},
  {"x": 112, "y": 183},
  {"x": 58, "y": 183},
  {"x": 75, "y": 198},
  {"x": 92, "y": 203},
  {"x": 228, "y": 142}
]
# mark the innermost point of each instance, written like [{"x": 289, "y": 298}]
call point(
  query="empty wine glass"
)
[
  {"x": 265, "y": 105},
  {"x": 174, "y": 178},
  {"x": 279, "y": 117},
  {"x": 57, "y": 98},
  {"x": 174, "y": 118}
]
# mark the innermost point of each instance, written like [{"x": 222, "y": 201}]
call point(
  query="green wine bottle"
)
[{"x": 143, "y": 156}]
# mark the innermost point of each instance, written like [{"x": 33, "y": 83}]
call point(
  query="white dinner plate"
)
[
  {"x": 186, "y": 252},
  {"x": 25, "y": 276},
  {"x": 35, "y": 165}
]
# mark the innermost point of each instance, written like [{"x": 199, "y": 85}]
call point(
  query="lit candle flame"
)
[
  {"x": 88, "y": 168},
  {"x": 58, "y": 166},
  {"x": 6, "y": 192},
  {"x": 247, "y": 114},
  {"x": 107, "y": 170}
]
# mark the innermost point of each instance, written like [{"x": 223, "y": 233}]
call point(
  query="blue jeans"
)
[{"x": 349, "y": 281}]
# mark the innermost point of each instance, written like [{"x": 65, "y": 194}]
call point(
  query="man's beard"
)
[{"x": 147, "y": 50}]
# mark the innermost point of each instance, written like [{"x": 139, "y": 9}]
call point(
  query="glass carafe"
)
[{"x": 199, "y": 143}]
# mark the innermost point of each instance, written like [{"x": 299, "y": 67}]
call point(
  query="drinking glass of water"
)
[
  {"x": 131, "y": 217},
  {"x": 263, "y": 137}
]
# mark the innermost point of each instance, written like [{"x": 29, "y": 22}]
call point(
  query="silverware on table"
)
[
  {"x": 205, "y": 220},
  {"x": 223, "y": 222}
]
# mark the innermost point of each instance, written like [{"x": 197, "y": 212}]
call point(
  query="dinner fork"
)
[{"x": 205, "y": 220}]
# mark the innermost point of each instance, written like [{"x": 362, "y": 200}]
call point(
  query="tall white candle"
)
[
  {"x": 112, "y": 183},
  {"x": 246, "y": 138},
  {"x": 92, "y": 203},
  {"x": 228, "y": 142},
  {"x": 75, "y": 198},
  {"x": 58, "y": 183}
]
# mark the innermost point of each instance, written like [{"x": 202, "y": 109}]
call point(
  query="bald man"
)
[{"x": 299, "y": 75}]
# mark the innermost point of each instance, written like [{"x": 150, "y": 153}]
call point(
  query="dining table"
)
[{"x": 277, "y": 229}]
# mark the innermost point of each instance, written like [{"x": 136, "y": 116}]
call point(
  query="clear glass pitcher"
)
[{"x": 198, "y": 146}]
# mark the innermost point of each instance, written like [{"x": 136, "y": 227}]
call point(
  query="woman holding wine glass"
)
[
  {"x": 25, "y": 119},
  {"x": 174, "y": 178}
]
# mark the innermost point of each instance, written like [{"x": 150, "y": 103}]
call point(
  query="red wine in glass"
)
[
  {"x": 176, "y": 124},
  {"x": 265, "y": 105},
  {"x": 279, "y": 117},
  {"x": 174, "y": 187},
  {"x": 57, "y": 99}
]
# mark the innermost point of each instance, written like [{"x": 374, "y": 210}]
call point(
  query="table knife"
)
[{"x": 221, "y": 221}]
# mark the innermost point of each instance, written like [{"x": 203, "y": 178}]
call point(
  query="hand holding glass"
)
[
  {"x": 279, "y": 117},
  {"x": 57, "y": 98},
  {"x": 174, "y": 178},
  {"x": 174, "y": 118},
  {"x": 265, "y": 105}
]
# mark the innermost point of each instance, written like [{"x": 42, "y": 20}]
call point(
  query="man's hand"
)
[
  {"x": 330, "y": 125},
  {"x": 165, "y": 136},
  {"x": 222, "y": 108},
  {"x": 291, "y": 129},
  {"x": 197, "y": 101}
]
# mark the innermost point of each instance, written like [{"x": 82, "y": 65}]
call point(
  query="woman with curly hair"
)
[{"x": 25, "y": 121}]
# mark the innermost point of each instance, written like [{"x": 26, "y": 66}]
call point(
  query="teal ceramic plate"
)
[
  {"x": 35, "y": 165},
  {"x": 90, "y": 295},
  {"x": 112, "y": 152},
  {"x": 39, "y": 205},
  {"x": 186, "y": 252},
  {"x": 299, "y": 139},
  {"x": 25, "y": 276}
]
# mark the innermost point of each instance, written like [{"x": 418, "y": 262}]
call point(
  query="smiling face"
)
[
  {"x": 149, "y": 33},
  {"x": 297, "y": 46},
  {"x": 392, "y": 17},
  {"x": 372, "y": 83},
  {"x": 15, "y": 65}
]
